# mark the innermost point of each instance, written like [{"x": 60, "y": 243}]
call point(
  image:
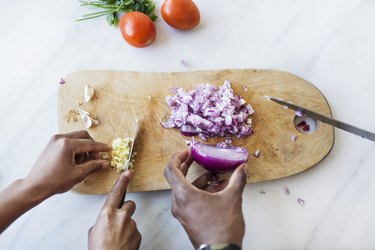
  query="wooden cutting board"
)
[{"x": 121, "y": 97}]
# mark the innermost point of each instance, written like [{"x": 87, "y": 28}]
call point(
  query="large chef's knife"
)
[
  {"x": 325, "y": 119},
  {"x": 127, "y": 164}
]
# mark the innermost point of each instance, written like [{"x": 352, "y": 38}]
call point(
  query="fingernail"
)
[
  {"x": 106, "y": 165},
  {"x": 127, "y": 173}
]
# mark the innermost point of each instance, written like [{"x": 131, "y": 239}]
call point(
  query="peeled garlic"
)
[
  {"x": 86, "y": 121},
  {"x": 89, "y": 93},
  {"x": 83, "y": 113}
]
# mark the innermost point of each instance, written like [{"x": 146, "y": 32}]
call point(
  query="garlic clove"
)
[
  {"x": 89, "y": 93},
  {"x": 83, "y": 113},
  {"x": 86, "y": 121}
]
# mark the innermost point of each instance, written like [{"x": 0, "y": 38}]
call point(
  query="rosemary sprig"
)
[{"x": 112, "y": 8}]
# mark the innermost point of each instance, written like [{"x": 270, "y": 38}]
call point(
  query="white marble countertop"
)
[{"x": 329, "y": 43}]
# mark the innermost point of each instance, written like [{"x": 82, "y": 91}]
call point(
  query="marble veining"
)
[{"x": 328, "y": 43}]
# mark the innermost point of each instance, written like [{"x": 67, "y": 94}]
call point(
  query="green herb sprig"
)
[{"x": 112, "y": 8}]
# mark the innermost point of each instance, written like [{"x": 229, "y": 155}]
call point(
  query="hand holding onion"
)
[{"x": 209, "y": 214}]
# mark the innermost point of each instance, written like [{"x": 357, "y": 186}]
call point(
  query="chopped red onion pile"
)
[{"x": 209, "y": 111}]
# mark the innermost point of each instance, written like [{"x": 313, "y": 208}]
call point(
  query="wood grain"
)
[{"x": 121, "y": 97}]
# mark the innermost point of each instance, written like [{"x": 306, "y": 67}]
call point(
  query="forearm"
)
[{"x": 16, "y": 199}]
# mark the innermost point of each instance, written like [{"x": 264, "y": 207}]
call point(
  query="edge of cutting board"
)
[{"x": 255, "y": 78}]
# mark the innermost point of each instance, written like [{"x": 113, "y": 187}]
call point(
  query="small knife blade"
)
[
  {"x": 328, "y": 120},
  {"x": 127, "y": 164},
  {"x": 132, "y": 146}
]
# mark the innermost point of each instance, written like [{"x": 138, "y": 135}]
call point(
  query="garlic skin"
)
[
  {"x": 94, "y": 121},
  {"x": 89, "y": 93},
  {"x": 88, "y": 122}
]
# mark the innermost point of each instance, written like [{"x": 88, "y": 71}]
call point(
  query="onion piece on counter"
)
[
  {"x": 294, "y": 138},
  {"x": 218, "y": 159},
  {"x": 257, "y": 153}
]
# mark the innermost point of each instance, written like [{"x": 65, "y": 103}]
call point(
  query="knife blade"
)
[
  {"x": 328, "y": 120},
  {"x": 127, "y": 164}
]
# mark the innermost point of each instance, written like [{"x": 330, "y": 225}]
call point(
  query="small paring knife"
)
[
  {"x": 127, "y": 164},
  {"x": 132, "y": 146},
  {"x": 328, "y": 120}
]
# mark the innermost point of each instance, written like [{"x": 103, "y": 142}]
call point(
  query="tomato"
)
[
  {"x": 180, "y": 14},
  {"x": 137, "y": 29}
]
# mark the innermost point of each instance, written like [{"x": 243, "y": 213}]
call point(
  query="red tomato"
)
[
  {"x": 181, "y": 14},
  {"x": 137, "y": 29}
]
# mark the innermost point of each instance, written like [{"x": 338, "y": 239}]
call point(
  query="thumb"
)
[
  {"x": 238, "y": 179},
  {"x": 92, "y": 166}
]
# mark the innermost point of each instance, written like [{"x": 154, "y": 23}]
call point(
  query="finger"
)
[
  {"x": 94, "y": 155},
  {"x": 187, "y": 163},
  {"x": 117, "y": 194},
  {"x": 172, "y": 172},
  {"x": 83, "y": 134},
  {"x": 88, "y": 145},
  {"x": 202, "y": 181},
  {"x": 92, "y": 166},
  {"x": 129, "y": 207},
  {"x": 81, "y": 158},
  {"x": 217, "y": 187},
  {"x": 238, "y": 179}
]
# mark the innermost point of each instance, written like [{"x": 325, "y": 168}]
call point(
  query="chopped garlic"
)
[
  {"x": 120, "y": 153},
  {"x": 89, "y": 93}
]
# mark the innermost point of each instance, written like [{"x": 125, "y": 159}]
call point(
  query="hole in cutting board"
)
[{"x": 305, "y": 124}]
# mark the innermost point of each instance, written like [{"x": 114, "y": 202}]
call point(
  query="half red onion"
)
[{"x": 217, "y": 159}]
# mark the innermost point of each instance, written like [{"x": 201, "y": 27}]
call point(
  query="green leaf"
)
[
  {"x": 110, "y": 19},
  {"x": 151, "y": 9},
  {"x": 110, "y": 1},
  {"x": 91, "y": 17},
  {"x": 115, "y": 19},
  {"x": 138, "y": 7},
  {"x": 97, "y": 13},
  {"x": 111, "y": 9}
]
